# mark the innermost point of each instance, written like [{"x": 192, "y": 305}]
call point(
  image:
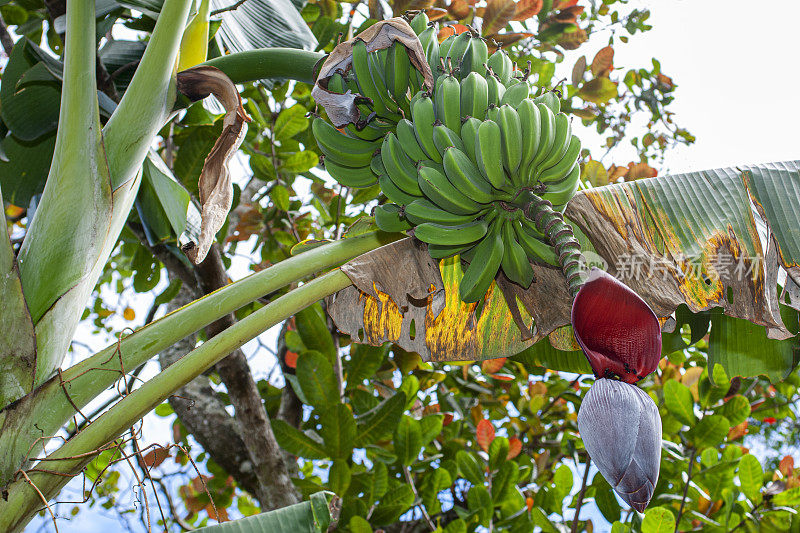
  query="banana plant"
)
[{"x": 47, "y": 286}]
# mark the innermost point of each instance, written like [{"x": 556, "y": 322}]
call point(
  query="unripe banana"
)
[
  {"x": 400, "y": 168},
  {"x": 536, "y": 250},
  {"x": 475, "y": 58},
  {"x": 496, "y": 89},
  {"x": 388, "y": 217},
  {"x": 560, "y": 193},
  {"x": 551, "y": 100},
  {"x": 430, "y": 45},
  {"x": 349, "y": 176},
  {"x": 565, "y": 166},
  {"x": 408, "y": 140},
  {"x": 440, "y": 191},
  {"x": 501, "y": 65},
  {"x": 511, "y": 138},
  {"x": 398, "y": 72},
  {"x": 423, "y": 210},
  {"x": 489, "y": 153},
  {"x": 419, "y": 22},
  {"x": 444, "y": 138},
  {"x": 364, "y": 79},
  {"x": 474, "y": 96},
  {"x": 393, "y": 193},
  {"x": 486, "y": 258},
  {"x": 515, "y": 94},
  {"x": 448, "y": 102},
  {"x": 466, "y": 177},
  {"x": 457, "y": 51},
  {"x": 469, "y": 134},
  {"x": 442, "y": 251},
  {"x": 468, "y": 233},
  {"x": 531, "y": 129},
  {"x": 423, "y": 117},
  {"x": 547, "y": 135},
  {"x": 561, "y": 141},
  {"x": 515, "y": 262},
  {"x": 341, "y": 149}
]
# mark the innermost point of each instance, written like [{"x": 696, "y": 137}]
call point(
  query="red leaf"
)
[
  {"x": 617, "y": 330},
  {"x": 492, "y": 366},
  {"x": 502, "y": 377},
  {"x": 568, "y": 15},
  {"x": 448, "y": 418},
  {"x": 786, "y": 466},
  {"x": 558, "y": 5},
  {"x": 498, "y": 13},
  {"x": 154, "y": 457},
  {"x": 738, "y": 431},
  {"x": 529, "y": 503},
  {"x": 769, "y": 420},
  {"x": 514, "y": 447},
  {"x": 291, "y": 359},
  {"x": 484, "y": 434},
  {"x": 603, "y": 62},
  {"x": 527, "y": 9}
]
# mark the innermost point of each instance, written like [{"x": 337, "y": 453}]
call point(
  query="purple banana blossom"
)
[
  {"x": 621, "y": 429},
  {"x": 616, "y": 329}
]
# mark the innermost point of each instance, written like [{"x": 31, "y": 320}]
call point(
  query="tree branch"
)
[
  {"x": 579, "y": 503},
  {"x": 5, "y": 37},
  {"x": 686, "y": 488}
]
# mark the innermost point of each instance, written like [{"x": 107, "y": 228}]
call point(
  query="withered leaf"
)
[
  {"x": 526, "y": 9},
  {"x": 458, "y": 9},
  {"x": 498, "y": 13},
  {"x": 578, "y": 71},
  {"x": 506, "y": 39},
  {"x": 215, "y": 187},
  {"x": 341, "y": 108},
  {"x": 603, "y": 62}
]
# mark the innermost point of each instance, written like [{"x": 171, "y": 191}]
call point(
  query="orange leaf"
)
[
  {"x": 291, "y": 359},
  {"x": 514, "y": 447},
  {"x": 502, "y": 377},
  {"x": 491, "y": 366},
  {"x": 435, "y": 13},
  {"x": 603, "y": 62},
  {"x": 640, "y": 170},
  {"x": 448, "y": 418},
  {"x": 558, "y": 5},
  {"x": 498, "y": 13},
  {"x": 529, "y": 503},
  {"x": 568, "y": 15},
  {"x": 786, "y": 466},
  {"x": 537, "y": 388},
  {"x": 458, "y": 9},
  {"x": 129, "y": 314},
  {"x": 509, "y": 38},
  {"x": 615, "y": 172},
  {"x": 527, "y": 9},
  {"x": 12, "y": 211},
  {"x": 154, "y": 457},
  {"x": 738, "y": 431},
  {"x": 445, "y": 32},
  {"x": 572, "y": 40},
  {"x": 665, "y": 82},
  {"x": 484, "y": 434}
]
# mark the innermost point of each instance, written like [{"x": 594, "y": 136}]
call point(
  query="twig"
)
[
  {"x": 5, "y": 37},
  {"x": 580, "y": 495},
  {"x": 410, "y": 480},
  {"x": 231, "y": 7},
  {"x": 32, "y": 484},
  {"x": 740, "y": 524},
  {"x": 686, "y": 488}
]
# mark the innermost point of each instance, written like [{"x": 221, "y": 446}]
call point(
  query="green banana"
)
[
  {"x": 423, "y": 210},
  {"x": 531, "y": 129},
  {"x": 466, "y": 177},
  {"x": 469, "y": 134},
  {"x": 551, "y": 100},
  {"x": 536, "y": 250},
  {"x": 447, "y": 102},
  {"x": 408, "y": 140},
  {"x": 496, "y": 89},
  {"x": 474, "y": 96},
  {"x": 393, "y": 193},
  {"x": 515, "y": 262},
  {"x": 340, "y": 148},
  {"x": 349, "y": 176},
  {"x": 511, "y": 138},
  {"x": 546, "y": 137},
  {"x": 475, "y": 58},
  {"x": 457, "y": 51},
  {"x": 364, "y": 79},
  {"x": 376, "y": 165},
  {"x": 423, "y": 117},
  {"x": 400, "y": 168},
  {"x": 565, "y": 165},
  {"x": 398, "y": 73},
  {"x": 560, "y": 193},
  {"x": 430, "y": 45},
  {"x": 433, "y": 233},
  {"x": 489, "y": 154},
  {"x": 389, "y": 218},
  {"x": 482, "y": 269},
  {"x": 561, "y": 142},
  {"x": 501, "y": 65},
  {"x": 419, "y": 22},
  {"x": 444, "y": 138},
  {"x": 515, "y": 94},
  {"x": 440, "y": 191},
  {"x": 444, "y": 49},
  {"x": 336, "y": 83}
]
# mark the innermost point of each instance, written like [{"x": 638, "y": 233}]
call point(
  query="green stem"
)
[
  {"x": 149, "y": 98},
  {"x": 23, "y": 501},
  {"x": 252, "y": 65},
  {"x": 559, "y": 233},
  {"x": 52, "y": 405}
]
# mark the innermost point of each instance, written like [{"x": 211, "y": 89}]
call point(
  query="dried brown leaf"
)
[
  {"x": 572, "y": 40},
  {"x": 498, "y": 13},
  {"x": 341, "y": 108},
  {"x": 506, "y": 39},
  {"x": 215, "y": 187},
  {"x": 578, "y": 71},
  {"x": 526, "y": 9},
  {"x": 603, "y": 62},
  {"x": 458, "y": 9}
]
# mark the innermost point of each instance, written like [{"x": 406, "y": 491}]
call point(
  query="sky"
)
[{"x": 733, "y": 63}]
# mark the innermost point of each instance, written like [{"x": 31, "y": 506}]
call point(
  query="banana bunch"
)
[{"x": 459, "y": 165}]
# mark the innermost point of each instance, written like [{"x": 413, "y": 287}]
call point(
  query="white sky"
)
[{"x": 731, "y": 60}]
